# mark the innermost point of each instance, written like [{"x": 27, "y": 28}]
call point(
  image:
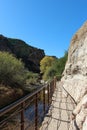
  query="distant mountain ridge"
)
[{"x": 31, "y": 56}]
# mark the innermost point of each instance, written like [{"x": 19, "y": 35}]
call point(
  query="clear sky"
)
[{"x": 45, "y": 24}]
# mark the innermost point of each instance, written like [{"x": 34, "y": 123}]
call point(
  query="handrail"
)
[
  {"x": 18, "y": 102},
  {"x": 70, "y": 95},
  {"x": 58, "y": 77},
  {"x": 47, "y": 97}
]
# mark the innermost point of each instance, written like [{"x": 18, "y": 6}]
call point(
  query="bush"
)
[
  {"x": 12, "y": 71},
  {"x": 32, "y": 78},
  {"x": 46, "y": 62},
  {"x": 56, "y": 68},
  {"x": 49, "y": 74}
]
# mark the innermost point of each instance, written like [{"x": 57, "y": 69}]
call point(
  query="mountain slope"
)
[{"x": 31, "y": 56}]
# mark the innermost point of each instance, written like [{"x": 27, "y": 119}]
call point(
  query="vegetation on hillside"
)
[
  {"x": 12, "y": 71},
  {"x": 29, "y": 55},
  {"x": 51, "y": 68},
  {"x": 15, "y": 79}
]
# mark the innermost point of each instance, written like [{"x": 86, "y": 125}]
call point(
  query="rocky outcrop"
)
[
  {"x": 31, "y": 56},
  {"x": 75, "y": 76}
]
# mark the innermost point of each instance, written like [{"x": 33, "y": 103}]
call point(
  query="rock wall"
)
[{"x": 75, "y": 75}]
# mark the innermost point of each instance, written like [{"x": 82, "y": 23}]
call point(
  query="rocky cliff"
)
[
  {"x": 75, "y": 76},
  {"x": 31, "y": 56}
]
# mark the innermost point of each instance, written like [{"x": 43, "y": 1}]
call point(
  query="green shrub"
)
[
  {"x": 32, "y": 78},
  {"x": 12, "y": 71},
  {"x": 56, "y": 68},
  {"x": 49, "y": 74}
]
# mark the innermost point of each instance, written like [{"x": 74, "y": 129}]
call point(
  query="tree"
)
[
  {"x": 56, "y": 68},
  {"x": 12, "y": 71},
  {"x": 45, "y": 63}
]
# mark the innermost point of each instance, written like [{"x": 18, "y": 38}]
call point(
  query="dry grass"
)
[
  {"x": 8, "y": 95},
  {"x": 80, "y": 33}
]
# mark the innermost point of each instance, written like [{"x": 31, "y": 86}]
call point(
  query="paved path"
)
[{"x": 58, "y": 117}]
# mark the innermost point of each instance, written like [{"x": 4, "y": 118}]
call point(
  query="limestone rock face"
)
[{"x": 75, "y": 74}]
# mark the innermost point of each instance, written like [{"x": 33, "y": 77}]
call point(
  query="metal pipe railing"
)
[
  {"x": 39, "y": 101},
  {"x": 36, "y": 111},
  {"x": 69, "y": 95},
  {"x": 22, "y": 116}
]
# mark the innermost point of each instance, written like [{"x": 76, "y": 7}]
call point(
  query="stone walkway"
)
[{"x": 58, "y": 117}]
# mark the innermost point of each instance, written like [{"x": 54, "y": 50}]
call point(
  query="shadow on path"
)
[{"x": 58, "y": 117}]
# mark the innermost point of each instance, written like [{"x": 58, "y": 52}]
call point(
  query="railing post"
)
[
  {"x": 22, "y": 116},
  {"x": 54, "y": 82},
  {"x": 50, "y": 92},
  {"x": 48, "y": 95},
  {"x": 44, "y": 100},
  {"x": 36, "y": 112},
  {"x": 52, "y": 85}
]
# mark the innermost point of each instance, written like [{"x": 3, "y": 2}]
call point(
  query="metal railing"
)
[{"x": 28, "y": 112}]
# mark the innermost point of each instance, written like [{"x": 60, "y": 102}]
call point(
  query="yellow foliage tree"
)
[{"x": 46, "y": 62}]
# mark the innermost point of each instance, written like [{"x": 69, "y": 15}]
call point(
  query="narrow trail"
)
[{"x": 58, "y": 117}]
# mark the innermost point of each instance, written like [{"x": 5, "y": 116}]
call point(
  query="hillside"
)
[{"x": 31, "y": 56}]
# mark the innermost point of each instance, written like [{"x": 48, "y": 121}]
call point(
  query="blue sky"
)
[{"x": 45, "y": 24}]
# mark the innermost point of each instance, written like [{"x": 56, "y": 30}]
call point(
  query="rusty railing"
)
[{"x": 28, "y": 112}]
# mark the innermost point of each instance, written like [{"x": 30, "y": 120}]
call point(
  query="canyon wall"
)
[{"x": 75, "y": 76}]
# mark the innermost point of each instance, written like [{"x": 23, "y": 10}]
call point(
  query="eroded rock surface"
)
[{"x": 75, "y": 75}]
